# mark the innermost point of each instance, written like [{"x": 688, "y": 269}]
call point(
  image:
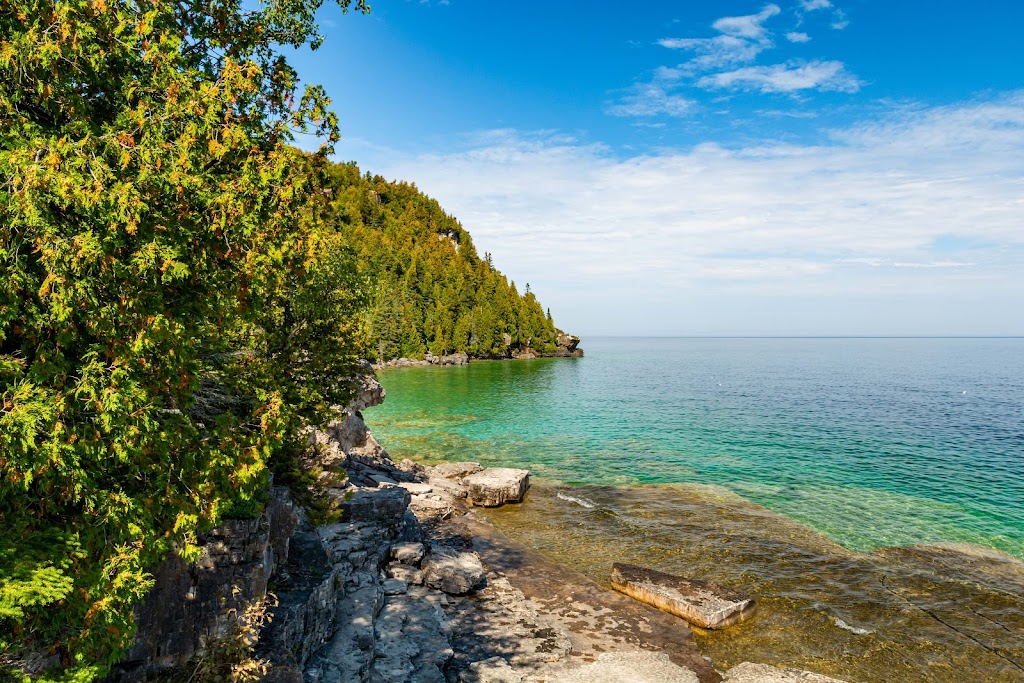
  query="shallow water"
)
[
  {"x": 912, "y": 614},
  {"x": 821, "y": 475}
]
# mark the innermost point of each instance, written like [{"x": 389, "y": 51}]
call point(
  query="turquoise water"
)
[{"x": 872, "y": 442}]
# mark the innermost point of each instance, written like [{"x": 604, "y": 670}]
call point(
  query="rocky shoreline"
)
[
  {"x": 402, "y": 581},
  {"x": 567, "y": 347}
]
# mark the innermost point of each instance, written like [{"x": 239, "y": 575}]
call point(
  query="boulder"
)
[
  {"x": 700, "y": 603},
  {"x": 496, "y": 486},
  {"x": 762, "y": 673},
  {"x": 410, "y": 575},
  {"x": 380, "y": 506},
  {"x": 453, "y": 571},
  {"x": 408, "y": 553}
]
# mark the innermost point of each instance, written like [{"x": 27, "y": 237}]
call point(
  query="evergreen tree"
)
[
  {"x": 453, "y": 301},
  {"x": 172, "y": 308}
]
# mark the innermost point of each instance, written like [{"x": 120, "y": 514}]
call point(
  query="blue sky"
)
[{"x": 807, "y": 167}]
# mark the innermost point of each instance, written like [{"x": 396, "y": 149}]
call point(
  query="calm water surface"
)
[{"x": 863, "y": 489}]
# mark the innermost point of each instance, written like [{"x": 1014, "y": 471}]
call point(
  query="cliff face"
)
[{"x": 281, "y": 552}]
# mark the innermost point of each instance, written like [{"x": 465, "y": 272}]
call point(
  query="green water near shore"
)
[{"x": 817, "y": 474}]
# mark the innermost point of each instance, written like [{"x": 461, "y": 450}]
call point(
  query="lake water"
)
[{"x": 856, "y": 486}]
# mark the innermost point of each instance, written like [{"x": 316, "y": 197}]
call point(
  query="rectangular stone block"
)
[{"x": 700, "y": 603}]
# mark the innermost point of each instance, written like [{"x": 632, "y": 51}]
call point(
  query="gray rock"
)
[
  {"x": 410, "y": 575},
  {"x": 382, "y": 479},
  {"x": 350, "y": 653},
  {"x": 394, "y": 586},
  {"x": 380, "y": 506},
  {"x": 304, "y": 616},
  {"x": 700, "y": 603},
  {"x": 763, "y": 673},
  {"x": 454, "y": 470},
  {"x": 368, "y": 390},
  {"x": 416, "y": 488},
  {"x": 452, "y": 571},
  {"x": 408, "y": 553},
  {"x": 447, "y": 486},
  {"x": 635, "y": 667},
  {"x": 493, "y": 670},
  {"x": 496, "y": 486}
]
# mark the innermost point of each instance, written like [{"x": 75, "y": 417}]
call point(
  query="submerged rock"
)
[
  {"x": 700, "y": 603},
  {"x": 496, "y": 486},
  {"x": 763, "y": 673}
]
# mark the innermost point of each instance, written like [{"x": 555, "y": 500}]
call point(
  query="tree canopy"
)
[{"x": 172, "y": 307}]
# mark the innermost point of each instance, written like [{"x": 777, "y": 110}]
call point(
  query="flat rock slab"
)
[
  {"x": 455, "y": 470},
  {"x": 635, "y": 667},
  {"x": 496, "y": 486},
  {"x": 493, "y": 670},
  {"x": 762, "y": 673},
  {"x": 700, "y": 603},
  {"x": 596, "y": 619}
]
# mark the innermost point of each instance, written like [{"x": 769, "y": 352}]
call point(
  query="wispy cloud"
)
[
  {"x": 840, "y": 21},
  {"x": 787, "y": 78},
  {"x": 775, "y": 232},
  {"x": 650, "y": 99},
  {"x": 728, "y": 61},
  {"x": 750, "y": 26},
  {"x": 811, "y": 5},
  {"x": 741, "y": 39}
]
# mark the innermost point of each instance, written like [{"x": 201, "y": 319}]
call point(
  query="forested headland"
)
[{"x": 430, "y": 289}]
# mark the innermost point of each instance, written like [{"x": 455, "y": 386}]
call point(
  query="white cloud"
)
[
  {"x": 840, "y": 21},
  {"x": 650, "y": 99},
  {"x": 713, "y": 53},
  {"x": 724, "y": 61},
  {"x": 846, "y": 237},
  {"x": 750, "y": 26},
  {"x": 741, "y": 40},
  {"x": 786, "y": 78}
]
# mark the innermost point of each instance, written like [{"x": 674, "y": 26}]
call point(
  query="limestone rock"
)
[
  {"x": 410, "y": 575},
  {"x": 416, "y": 488},
  {"x": 368, "y": 390},
  {"x": 453, "y": 571},
  {"x": 455, "y": 470},
  {"x": 386, "y": 506},
  {"x": 700, "y": 603},
  {"x": 748, "y": 672},
  {"x": 408, "y": 553},
  {"x": 493, "y": 670},
  {"x": 394, "y": 586},
  {"x": 496, "y": 486},
  {"x": 635, "y": 667}
]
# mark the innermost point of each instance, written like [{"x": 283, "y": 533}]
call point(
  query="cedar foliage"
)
[
  {"x": 172, "y": 308},
  {"x": 433, "y": 292}
]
